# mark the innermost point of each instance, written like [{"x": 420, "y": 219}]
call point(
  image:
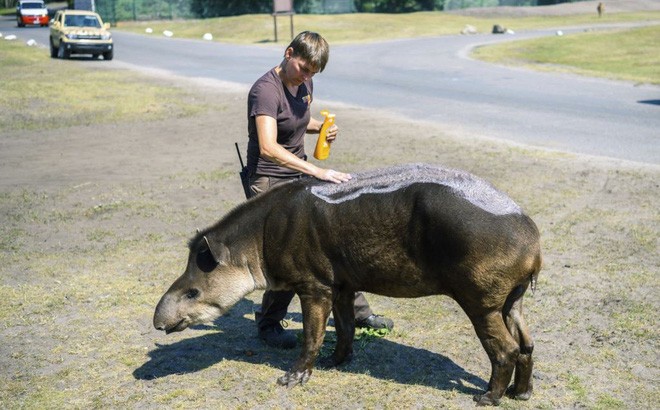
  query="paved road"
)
[{"x": 434, "y": 79}]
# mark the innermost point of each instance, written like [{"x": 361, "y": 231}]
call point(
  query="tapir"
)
[{"x": 405, "y": 231}]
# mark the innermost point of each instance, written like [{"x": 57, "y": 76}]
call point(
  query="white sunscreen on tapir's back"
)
[{"x": 384, "y": 181}]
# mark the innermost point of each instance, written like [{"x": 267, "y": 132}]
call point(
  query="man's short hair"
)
[{"x": 312, "y": 48}]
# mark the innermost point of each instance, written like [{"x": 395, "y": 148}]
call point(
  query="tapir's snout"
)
[{"x": 166, "y": 316}]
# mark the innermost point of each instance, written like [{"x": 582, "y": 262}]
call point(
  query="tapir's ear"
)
[
  {"x": 209, "y": 257},
  {"x": 205, "y": 259}
]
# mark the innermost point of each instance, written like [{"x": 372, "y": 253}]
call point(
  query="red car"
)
[{"x": 31, "y": 13}]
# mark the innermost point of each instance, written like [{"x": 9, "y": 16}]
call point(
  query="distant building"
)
[{"x": 84, "y": 5}]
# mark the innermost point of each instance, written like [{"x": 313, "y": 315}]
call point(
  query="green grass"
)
[
  {"x": 632, "y": 55},
  {"x": 576, "y": 385},
  {"x": 57, "y": 93},
  {"x": 361, "y": 27}
]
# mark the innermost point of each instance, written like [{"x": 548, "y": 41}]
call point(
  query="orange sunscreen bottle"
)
[{"x": 322, "y": 150}]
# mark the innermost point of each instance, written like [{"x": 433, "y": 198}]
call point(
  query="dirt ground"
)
[{"x": 94, "y": 221}]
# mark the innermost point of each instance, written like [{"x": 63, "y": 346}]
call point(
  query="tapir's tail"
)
[{"x": 533, "y": 279}]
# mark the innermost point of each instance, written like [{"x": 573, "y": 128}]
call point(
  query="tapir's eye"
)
[{"x": 192, "y": 293}]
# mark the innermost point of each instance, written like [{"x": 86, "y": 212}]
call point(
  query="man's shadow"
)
[{"x": 237, "y": 340}]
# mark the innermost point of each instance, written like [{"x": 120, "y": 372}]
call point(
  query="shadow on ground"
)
[{"x": 236, "y": 341}]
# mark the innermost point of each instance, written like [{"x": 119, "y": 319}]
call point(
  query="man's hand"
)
[
  {"x": 332, "y": 133},
  {"x": 331, "y": 175}
]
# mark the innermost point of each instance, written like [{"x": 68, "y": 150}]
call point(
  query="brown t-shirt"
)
[{"x": 268, "y": 96}]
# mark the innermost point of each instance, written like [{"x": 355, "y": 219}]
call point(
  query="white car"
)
[{"x": 31, "y": 13}]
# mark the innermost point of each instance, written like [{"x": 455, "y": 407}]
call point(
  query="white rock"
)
[
  {"x": 560, "y": 33},
  {"x": 10, "y": 37},
  {"x": 149, "y": 30},
  {"x": 168, "y": 33},
  {"x": 208, "y": 36},
  {"x": 469, "y": 29},
  {"x": 509, "y": 31}
]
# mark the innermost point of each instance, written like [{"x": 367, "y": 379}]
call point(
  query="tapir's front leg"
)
[{"x": 315, "y": 309}]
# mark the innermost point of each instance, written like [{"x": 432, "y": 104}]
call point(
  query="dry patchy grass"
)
[
  {"x": 65, "y": 94},
  {"x": 86, "y": 265}
]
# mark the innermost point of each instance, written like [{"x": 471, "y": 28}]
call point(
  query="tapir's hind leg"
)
[
  {"x": 515, "y": 322},
  {"x": 344, "y": 315},
  {"x": 502, "y": 351}
]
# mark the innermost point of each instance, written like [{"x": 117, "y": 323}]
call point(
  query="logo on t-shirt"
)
[{"x": 308, "y": 100}]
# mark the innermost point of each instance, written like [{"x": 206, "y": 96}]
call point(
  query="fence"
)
[{"x": 120, "y": 10}]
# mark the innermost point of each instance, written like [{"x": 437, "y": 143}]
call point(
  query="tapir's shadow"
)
[{"x": 237, "y": 341}]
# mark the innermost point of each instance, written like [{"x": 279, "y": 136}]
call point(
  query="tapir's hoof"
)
[
  {"x": 516, "y": 395},
  {"x": 486, "y": 399},
  {"x": 290, "y": 379},
  {"x": 331, "y": 361}
]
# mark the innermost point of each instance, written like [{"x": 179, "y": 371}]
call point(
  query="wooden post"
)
[{"x": 275, "y": 25}]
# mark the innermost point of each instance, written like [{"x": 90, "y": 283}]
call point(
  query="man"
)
[{"x": 278, "y": 119}]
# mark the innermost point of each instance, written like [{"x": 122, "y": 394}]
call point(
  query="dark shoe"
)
[
  {"x": 375, "y": 322},
  {"x": 275, "y": 336}
]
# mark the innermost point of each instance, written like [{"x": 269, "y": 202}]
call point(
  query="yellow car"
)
[{"x": 80, "y": 32}]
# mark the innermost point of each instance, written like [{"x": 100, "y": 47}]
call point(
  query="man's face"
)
[{"x": 299, "y": 70}]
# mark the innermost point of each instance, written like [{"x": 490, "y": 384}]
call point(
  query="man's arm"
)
[{"x": 270, "y": 149}]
